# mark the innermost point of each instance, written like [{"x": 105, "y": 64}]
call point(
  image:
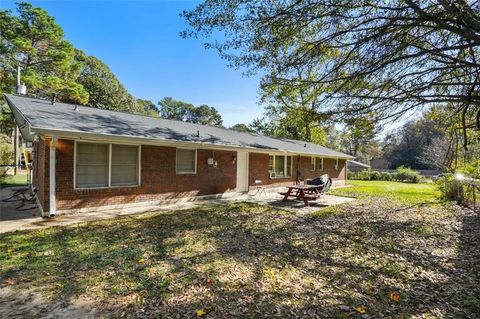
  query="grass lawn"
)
[
  {"x": 375, "y": 257},
  {"x": 20, "y": 179},
  {"x": 407, "y": 192}
]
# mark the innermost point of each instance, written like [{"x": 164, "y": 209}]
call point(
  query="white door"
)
[{"x": 242, "y": 171}]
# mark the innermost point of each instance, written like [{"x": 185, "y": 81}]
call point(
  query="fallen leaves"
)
[
  {"x": 360, "y": 309},
  {"x": 395, "y": 297},
  {"x": 9, "y": 281},
  {"x": 257, "y": 261}
]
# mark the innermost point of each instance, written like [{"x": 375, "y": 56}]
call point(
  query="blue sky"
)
[{"x": 140, "y": 42}]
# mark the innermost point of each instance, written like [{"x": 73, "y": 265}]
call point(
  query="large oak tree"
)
[{"x": 380, "y": 59}]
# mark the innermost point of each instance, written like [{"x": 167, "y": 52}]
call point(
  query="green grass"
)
[
  {"x": 247, "y": 261},
  {"x": 20, "y": 179},
  {"x": 406, "y": 192}
]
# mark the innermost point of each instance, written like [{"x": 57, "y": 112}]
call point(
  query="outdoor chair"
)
[{"x": 260, "y": 187}]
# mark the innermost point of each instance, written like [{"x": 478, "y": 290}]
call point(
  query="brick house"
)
[{"x": 86, "y": 157}]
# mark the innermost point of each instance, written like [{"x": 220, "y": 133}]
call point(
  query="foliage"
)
[
  {"x": 249, "y": 261},
  {"x": 33, "y": 41},
  {"x": 186, "y": 112},
  {"x": 369, "y": 175},
  {"x": 358, "y": 138},
  {"x": 402, "y": 174},
  {"x": 466, "y": 190},
  {"x": 149, "y": 107},
  {"x": 381, "y": 58},
  {"x": 293, "y": 113},
  {"x": 6, "y": 153},
  {"x": 104, "y": 89},
  {"x": 406, "y": 174},
  {"x": 418, "y": 142},
  {"x": 240, "y": 127}
]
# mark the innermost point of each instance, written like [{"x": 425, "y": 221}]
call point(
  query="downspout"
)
[{"x": 52, "y": 187}]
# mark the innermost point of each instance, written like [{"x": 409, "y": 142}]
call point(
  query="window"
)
[
  {"x": 280, "y": 166},
  {"x": 320, "y": 163},
  {"x": 124, "y": 165},
  {"x": 336, "y": 164},
  {"x": 312, "y": 163},
  {"x": 186, "y": 161},
  {"x": 92, "y": 165},
  {"x": 106, "y": 165}
]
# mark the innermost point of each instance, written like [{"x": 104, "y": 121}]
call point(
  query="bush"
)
[
  {"x": 405, "y": 174},
  {"x": 6, "y": 157},
  {"x": 369, "y": 175}
]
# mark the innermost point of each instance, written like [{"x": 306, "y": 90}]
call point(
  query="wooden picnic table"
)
[{"x": 302, "y": 192}]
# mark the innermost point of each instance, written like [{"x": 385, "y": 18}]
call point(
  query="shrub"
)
[
  {"x": 386, "y": 176},
  {"x": 405, "y": 174},
  {"x": 369, "y": 175},
  {"x": 6, "y": 157}
]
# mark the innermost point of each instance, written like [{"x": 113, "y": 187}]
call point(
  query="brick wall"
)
[
  {"x": 158, "y": 178},
  {"x": 301, "y": 170},
  {"x": 39, "y": 170}
]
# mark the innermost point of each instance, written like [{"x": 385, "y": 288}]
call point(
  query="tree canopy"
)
[
  {"x": 186, "y": 112},
  {"x": 375, "y": 58},
  {"x": 33, "y": 41}
]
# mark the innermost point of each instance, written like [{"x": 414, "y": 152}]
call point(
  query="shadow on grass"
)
[{"x": 245, "y": 260}]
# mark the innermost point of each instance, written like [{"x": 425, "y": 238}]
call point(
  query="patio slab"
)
[{"x": 12, "y": 219}]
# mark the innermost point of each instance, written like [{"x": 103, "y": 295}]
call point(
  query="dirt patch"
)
[{"x": 21, "y": 302}]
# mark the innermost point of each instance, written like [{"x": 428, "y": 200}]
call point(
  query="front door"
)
[{"x": 242, "y": 171}]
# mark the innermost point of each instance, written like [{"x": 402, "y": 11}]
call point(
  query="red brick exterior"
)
[
  {"x": 39, "y": 170},
  {"x": 158, "y": 177},
  {"x": 258, "y": 170}
]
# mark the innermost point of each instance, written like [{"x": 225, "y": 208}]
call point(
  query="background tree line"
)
[
  {"x": 355, "y": 62},
  {"x": 33, "y": 41}
]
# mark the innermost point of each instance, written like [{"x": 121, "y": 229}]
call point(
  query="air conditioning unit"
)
[{"x": 272, "y": 175}]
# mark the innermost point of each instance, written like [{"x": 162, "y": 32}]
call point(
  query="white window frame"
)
[
  {"x": 336, "y": 164},
  {"x": 313, "y": 163},
  {"x": 284, "y": 168},
  {"x": 321, "y": 164},
  {"x": 196, "y": 160},
  {"x": 139, "y": 150}
]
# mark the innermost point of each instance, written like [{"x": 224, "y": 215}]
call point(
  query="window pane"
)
[
  {"x": 185, "y": 161},
  {"x": 312, "y": 163},
  {"x": 280, "y": 165},
  {"x": 124, "y": 165},
  {"x": 319, "y": 164},
  {"x": 289, "y": 166},
  {"x": 92, "y": 165},
  {"x": 270, "y": 163}
]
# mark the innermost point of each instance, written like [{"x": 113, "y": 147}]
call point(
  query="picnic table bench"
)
[{"x": 302, "y": 192}]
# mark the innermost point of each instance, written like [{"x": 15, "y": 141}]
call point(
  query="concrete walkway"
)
[{"x": 12, "y": 218}]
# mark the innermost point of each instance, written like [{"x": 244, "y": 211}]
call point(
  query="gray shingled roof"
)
[{"x": 62, "y": 117}]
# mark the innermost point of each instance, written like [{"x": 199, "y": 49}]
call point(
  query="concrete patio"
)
[{"x": 28, "y": 216}]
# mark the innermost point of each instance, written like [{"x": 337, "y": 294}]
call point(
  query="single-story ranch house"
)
[{"x": 86, "y": 157}]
